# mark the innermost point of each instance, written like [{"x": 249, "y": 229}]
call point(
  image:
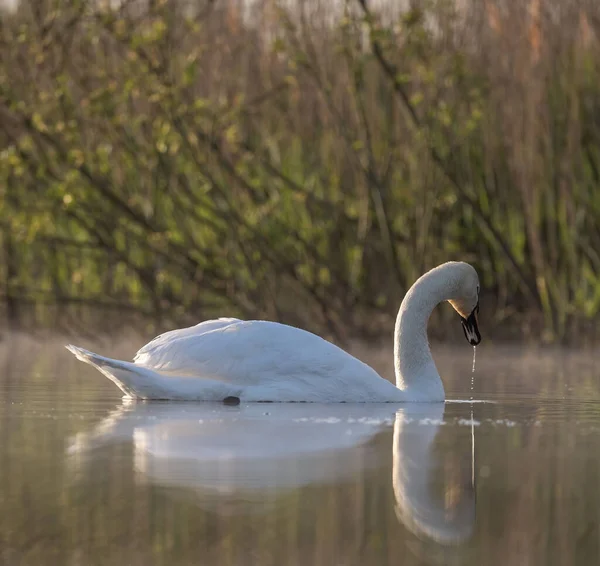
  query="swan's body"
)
[
  {"x": 267, "y": 361},
  {"x": 252, "y": 360}
]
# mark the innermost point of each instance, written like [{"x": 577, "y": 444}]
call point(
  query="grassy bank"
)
[{"x": 299, "y": 162}]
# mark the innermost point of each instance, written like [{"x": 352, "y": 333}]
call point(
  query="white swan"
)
[{"x": 266, "y": 361}]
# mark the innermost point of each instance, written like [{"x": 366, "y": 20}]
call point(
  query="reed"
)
[{"x": 302, "y": 162}]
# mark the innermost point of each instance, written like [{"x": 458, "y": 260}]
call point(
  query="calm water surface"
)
[{"x": 86, "y": 478}]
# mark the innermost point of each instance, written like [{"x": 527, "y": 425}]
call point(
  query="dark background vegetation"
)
[{"x": 165, "y": 161}]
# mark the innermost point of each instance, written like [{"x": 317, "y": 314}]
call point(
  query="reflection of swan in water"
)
[
  {"x": 433, "y": 487},
  {"x": 245, "y": 453},
  {"x": 237, "y": 458}
]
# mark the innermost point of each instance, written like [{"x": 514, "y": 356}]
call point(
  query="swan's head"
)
[{"x": 466, "y": 301}]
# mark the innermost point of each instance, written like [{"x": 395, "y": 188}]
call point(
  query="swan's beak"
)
[{"x": 470, "y": 327}]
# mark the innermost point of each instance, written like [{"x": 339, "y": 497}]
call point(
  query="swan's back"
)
[{"x": 147, "y": 355}]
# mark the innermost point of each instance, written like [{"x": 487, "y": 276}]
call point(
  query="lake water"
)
[{"x": 86, "y": 478}]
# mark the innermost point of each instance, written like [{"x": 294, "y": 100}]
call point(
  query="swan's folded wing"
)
[
  {"x": 158, "y": 350},
  {"x": 254, "y": 353}
]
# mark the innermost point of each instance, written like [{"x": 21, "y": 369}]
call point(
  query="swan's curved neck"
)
[{"x": 416, "y": 373}]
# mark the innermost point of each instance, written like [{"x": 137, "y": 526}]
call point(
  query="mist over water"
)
[{"x": 88, "y": 478}]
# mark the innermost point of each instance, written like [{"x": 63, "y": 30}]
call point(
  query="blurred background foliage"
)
[{"x": 165, "y": 161}]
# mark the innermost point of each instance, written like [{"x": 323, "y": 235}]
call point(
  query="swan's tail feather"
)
[
  {"x": 135, "y": 381},
  {"x": 139, "y": 382},
  {"x": 90, "y": 358}
]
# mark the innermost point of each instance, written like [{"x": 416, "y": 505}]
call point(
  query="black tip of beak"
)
[{"x": 471, "y": 328}]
